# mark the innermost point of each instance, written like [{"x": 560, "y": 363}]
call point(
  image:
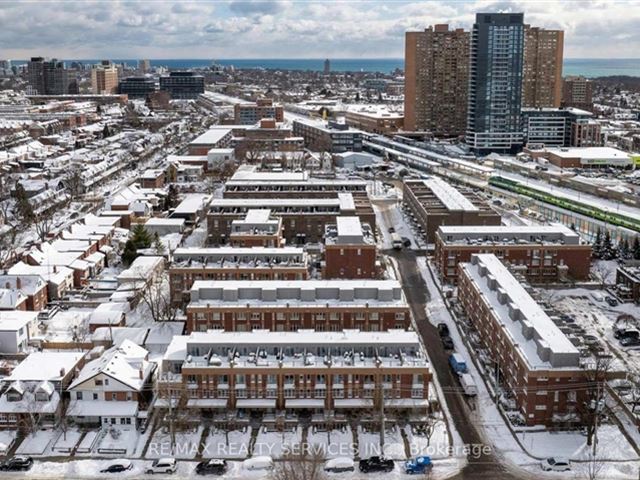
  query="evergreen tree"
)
[
  {"x": 140, "y": 237},
  {"x": 623, "y": 249},
  {"x": 158, "y": 245},
  {"x": 23, "y": 209},
  {"x": 130, "y": 253},
  {"x": 597, "y": 245},
  {"x": 171, "y": 200},
  {"x": 608, "y": 252},
  {"x": 636, "y": 248}
]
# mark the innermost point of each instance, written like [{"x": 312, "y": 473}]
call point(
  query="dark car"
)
[
  {"x": 443, "y": 330},
  {"x": 630, "y": 341},
  {"x": 118, "y": 466},
  {"x": 447, "y": 342},
  {"x": 212, "y": 467},
  {"x": 406, "y": 241},
  {"x": 392, "y": 230},
  {"x": 611, "y": 301},
  {"x": 17, "y": 464},
  {"x": 376, "y": 464}
]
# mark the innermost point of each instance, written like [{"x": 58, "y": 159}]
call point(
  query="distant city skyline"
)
[{"x": 289, "y": 28}]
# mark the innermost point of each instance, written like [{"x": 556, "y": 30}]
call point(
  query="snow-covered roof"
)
[
  {"x": 45, "y": 365},
  {"x": 100, "y": 408},
  {"x": 11, "y": 298},
  {"x": 14, "y": 320},
  {"x": 528, "y": 234},
  {"x": 211, "y": 137},
  {"x": 449, "y": 196},
  {"x": 29, "y": 284},
  {"x": 533, "y": 333},
  {"x": 125, "y": 363},
  {"x": 192, "y": 203}
]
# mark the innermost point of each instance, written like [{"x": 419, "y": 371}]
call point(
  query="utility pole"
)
[{"x": 381, "y": 418}]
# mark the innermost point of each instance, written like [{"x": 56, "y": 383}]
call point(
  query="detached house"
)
[{"x": 114, "y": 388}]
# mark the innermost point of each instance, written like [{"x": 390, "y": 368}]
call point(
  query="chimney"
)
[
  {"x": 18, "y": 283},
  {"x": 62, "y": 372},
  {"x": 140, "y": 373}
]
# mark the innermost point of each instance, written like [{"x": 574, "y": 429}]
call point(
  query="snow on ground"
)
[
  {"x": 186, "y": 444},
  {"x": 234, "y": 444},
  {"x": 334, "y": 443},
  {"x": 66, "y": 442},
  {"x": 37, "y": 442},
  {"x": 276, "y": 444},
  {"x": 119, "y": 442},
  {"x": 436, "y": 447},
  {"x": 7, "y": 437},
  {"x": 369, "y": 443},
  {"x": 197, "y": 238}
]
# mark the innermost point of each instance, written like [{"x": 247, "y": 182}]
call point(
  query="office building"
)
[
  {"x": 542, "y": 70},
  {"x": 252, "y": 113},
  {"x": 331, "y": 136},
  {"x": 291, "y": 305},
  {"x": 555, "y": 127},
  {"x": 542, "y": 253},
  {"x": 538, "y": 365},
  {"x": 495, "y": 83},
  {"x": 321, "y": 374},
  {"x": 230, "y": 263},
  {"x": 577, "y": 92},
  {"x": 433, "y": 202},
  {"x": 380, "y": 119},
  {"x": 49, "y": 77},
  {"x": 144, "y": 66},
  {"x": 182, "y": 85},
  {"x": 436, "y": 80},
  {"x": 327, "y": 67},
  {"x": 137, "y": 87},
  {"x": 104, "y": 79}
]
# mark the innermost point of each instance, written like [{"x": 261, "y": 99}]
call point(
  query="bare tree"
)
[
  {"x": 431, "y": 427},
  {"x": 8, "y": 247},
  {"x": 300, "y": 464},
  {"x": 173, "y": 397},
  {"x": 595, "y": 374},
  {"x": 157, "y": 297},
  {"x": 73, "y": 181},
  {"x": 592, "y": 469},
  {"x": 42, "y": 222},
  {"x": 602, "y": 271}
]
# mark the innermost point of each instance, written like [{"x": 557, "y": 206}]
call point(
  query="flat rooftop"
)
[
  {"x": 211, "y": 137},
  {"x": 449, "y": 196},
  {"x": 556, "y": 233},
  {"x": 591, "y": 153},
  {"x": 533, "y": 333}
]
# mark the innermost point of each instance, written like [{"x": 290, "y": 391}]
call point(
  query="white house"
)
[{"x": 15, "y": 329}]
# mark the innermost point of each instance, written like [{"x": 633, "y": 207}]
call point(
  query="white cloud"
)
[{"x": 288, "y": 28}]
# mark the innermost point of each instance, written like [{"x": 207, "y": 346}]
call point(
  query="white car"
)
[
  {"x": 264, "y": 462},
  {"x": 556, "y": 464},
  {"x": 162, "y": 465},
  {"x": 340, "y": 464}
]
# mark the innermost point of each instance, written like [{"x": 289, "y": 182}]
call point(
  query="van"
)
[
  {"x": 468, "y": 385},
  {"x": 458, "y": 363},
  {"x": 396, "y": 241},
  {"x": 264, "y": 462}
]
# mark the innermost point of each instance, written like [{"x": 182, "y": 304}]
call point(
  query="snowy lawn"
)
[
  {"x": 7, "y": 437},
  {"x": 435, "y": 446},
  {"x": 118, "y": 442},
  {"x": 334, "y": 443},
  {"x": 187, "y": 443},
  {"x": 369, "y": 443},
  {"x": 65, "y": 443},
  {"x": 276, "y": 444},
  {"x": 234, "y": 444},
  {"x": 37, "y": 442}
]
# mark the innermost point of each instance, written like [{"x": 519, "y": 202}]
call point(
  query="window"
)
[
  {"x": 541, "y": 407},
  {"x": 78, "y": 395},
  {"x": 399, "y": 315},
  {"x": 95, "y": 396},
  {"x": 114, "y": 396},
  {"x": 98, "y": 382}
]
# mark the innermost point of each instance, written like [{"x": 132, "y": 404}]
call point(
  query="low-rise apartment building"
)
[
  {"x": 349, "y": 250},
  {"x": 306, "y": 370},
  {"x": 329, "y": 136},
  {"x": 539, "y": 366},
  {"x": 251, "y": 113},
  {"x": 229, "y": 263},
  {"x": 289, "y": 305},
  {"x": 542, "y": 253},
  {"x": 303, "y": 219},
  {"x": 433, "y": 202},
  {"x": 257, "y": 229},
  {"x": 628, "y": 282}
]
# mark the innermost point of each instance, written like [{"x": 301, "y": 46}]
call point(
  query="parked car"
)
[
  {"x": 468, "y": 385},
  {"x": 418, "y": 465},
  {"x": 597, "y": 296},
  {"x": 264, "y": 462},
  {"x": 555, "y": 464},
  {"x": 406, "y": 241},
  {"x": 214, "y": 466},
  {"x": 443, "y": 330},
  {"x": 630, "y": 341},
  {"x": 447, "y": 343},
  {"x": 622, "y": 333},
  {"x": 458, "y": 363},
  {"x": 611, "y": 301},
  {"x": 339, "y": 465},
  {"x": 392, "y": 230},
  {"x": 19, "y": 463},
  {"x": 376, "y": 464},
  {"x": 162, "y": 465},
  {"x": 118, "y": 466}
]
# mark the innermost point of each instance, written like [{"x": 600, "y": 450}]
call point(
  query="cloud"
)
[{"x": 288, "y": 28}]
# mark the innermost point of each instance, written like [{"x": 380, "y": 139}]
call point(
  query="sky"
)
[{"x": 161, "y": 29}]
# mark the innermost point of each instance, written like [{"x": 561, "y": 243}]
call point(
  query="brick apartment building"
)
[
  {"x": 257, "y": 229},
  {"x": 228, "y": 263},
  {"x": 249, "y": 182},
  {"x": 319, "y": 372},
  {"x": 303, "y": 218},
  {"x": 331, "y": 136},
  {"x": 375, "y": 119},
  {"x": 349, "y": 250},
  {"x": 436, "y": 80},
  {"x": 433, "y": 202},
  {"x": 267, "y": 136},
  {"x": 538, "y": 364},
  {"x": 289, "y": 305},
  {"x": 542, "y": 253},
  {"x": 542, "y": 67},
  {"x": 628, "y": 282},
  {"x": 252, "y": 113},
  {"x": 216, "y": 137}
]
